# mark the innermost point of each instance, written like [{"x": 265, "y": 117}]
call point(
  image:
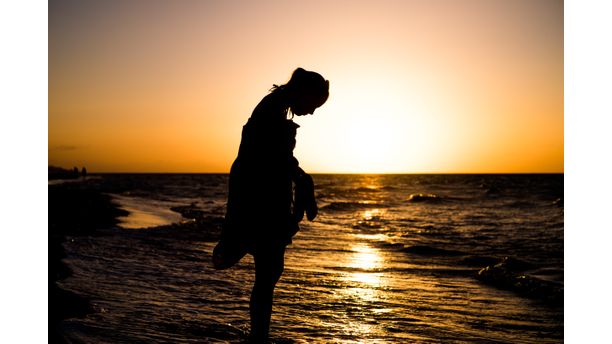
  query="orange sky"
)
[{"x": 415, "y": 86}]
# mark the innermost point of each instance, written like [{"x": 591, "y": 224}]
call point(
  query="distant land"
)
[{"x": 62, "y": 173}]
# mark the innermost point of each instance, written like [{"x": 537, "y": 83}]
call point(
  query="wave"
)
[
  {"x": 509, "y": 275},
  {"x": 366, "y": 189},
  {"x": 189, "y": 211},
  {"x": 390, "y": 245},
  {"x": 478, "y": 261},
  {"x": 425, "y": 250},
  {"x": 490, "y": 190},
  {"x": 369, "y": 225},
  {"x": 145, "y": 212},
  {"x": 428, "y": 198},
  {"x": 520, "y": 204},
  {"x": 342, "y": 206}
]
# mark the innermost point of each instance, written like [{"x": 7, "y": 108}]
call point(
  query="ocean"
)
[{"x": 389, "y": 259}]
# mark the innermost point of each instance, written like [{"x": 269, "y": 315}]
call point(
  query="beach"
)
[
  {"x": 74, "y": 211},
  {"x": 81, "y": 209},
  {"x": 390, "y": 258}
]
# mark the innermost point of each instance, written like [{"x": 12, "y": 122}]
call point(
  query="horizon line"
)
[{"x": 340, "y": 173}]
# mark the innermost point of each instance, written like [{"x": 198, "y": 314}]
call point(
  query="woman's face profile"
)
[{"x": 305, "y": 105}]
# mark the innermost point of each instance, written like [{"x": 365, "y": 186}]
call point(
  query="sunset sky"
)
[{"x": 423, "y": 86}]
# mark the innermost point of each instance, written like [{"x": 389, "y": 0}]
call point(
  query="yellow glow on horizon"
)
[
  {"x": 381, "y": 122},
  {"x": 415, "y": 86}
]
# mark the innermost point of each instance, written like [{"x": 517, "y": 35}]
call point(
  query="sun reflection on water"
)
[
  {"x": 372, "y": 214},
  {"x": 368, "y": 278},
  {"x": 363, "y": 277},
  {"x": 363, "y": 281},
  {"x": 365, "y": 257}
]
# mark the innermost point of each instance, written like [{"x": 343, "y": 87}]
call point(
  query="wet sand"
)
[
  {"x": 75, "y": 209},
  {"x": 81, "y": 209}
]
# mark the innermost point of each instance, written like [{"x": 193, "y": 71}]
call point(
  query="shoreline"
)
[
  {"x": 75, "y": 209},
  {"x": 85, "y": 208}
]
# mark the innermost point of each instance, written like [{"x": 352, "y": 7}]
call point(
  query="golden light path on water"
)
[
  {"x": 367, "y": 283},
  {"x": 364, "y": 279},
  {"x": 365, "y": 258}
]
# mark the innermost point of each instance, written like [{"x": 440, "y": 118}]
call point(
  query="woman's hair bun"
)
[
  {"x": 304, "y": 81},
  {"x": 299, "y": 73}
]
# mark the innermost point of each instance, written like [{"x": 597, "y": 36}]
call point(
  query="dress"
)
[{"x": 259, "y": 208}]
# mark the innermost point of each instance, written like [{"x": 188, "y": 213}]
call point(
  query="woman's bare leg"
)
[{"x": 269, "y": 265}]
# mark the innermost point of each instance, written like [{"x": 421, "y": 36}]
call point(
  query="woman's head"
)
[{"x": 306, "y": 91}]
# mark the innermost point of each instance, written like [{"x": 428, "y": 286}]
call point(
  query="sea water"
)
[{"x": 390, "y": 258}]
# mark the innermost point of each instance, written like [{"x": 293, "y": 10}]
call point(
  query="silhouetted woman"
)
[{"x": 262, "y": 210}]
